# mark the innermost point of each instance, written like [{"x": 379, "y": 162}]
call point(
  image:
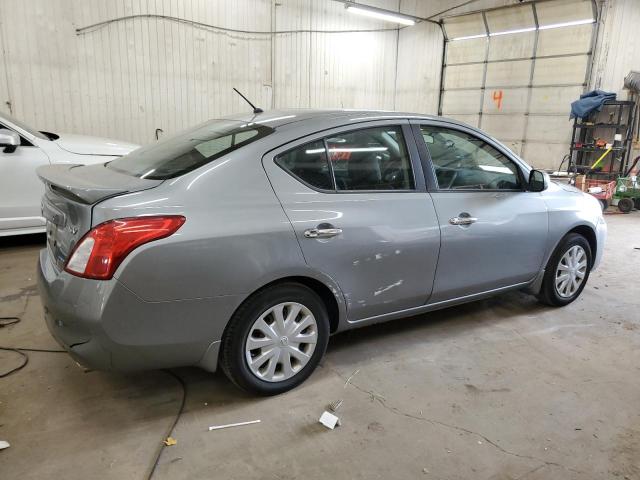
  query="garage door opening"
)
[{"x": 514, "y": 72}]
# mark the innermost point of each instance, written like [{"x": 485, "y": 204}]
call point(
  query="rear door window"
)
[
  {"x": 358, "y": 160},
  {"x": 371, "y": 159}
]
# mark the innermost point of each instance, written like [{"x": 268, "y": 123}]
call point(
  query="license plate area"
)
[
  {"x": 56, "y": 221},
  {"x": 66, "y": 221}
]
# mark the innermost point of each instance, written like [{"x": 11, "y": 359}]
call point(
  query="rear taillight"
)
[{"x": 99, "y": 253}]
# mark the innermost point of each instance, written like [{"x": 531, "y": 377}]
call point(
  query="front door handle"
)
[
  {"x": 328, "y": 232},
  {"x": 463, "y": 220}
]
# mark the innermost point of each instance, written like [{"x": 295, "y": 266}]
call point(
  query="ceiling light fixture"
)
[
  {"x": 567, "y": 24},
  {"x": 508, "y": 32},
  {"x": 585, "y": 21},
  {"x": 380, "y": 13},
  {"x": 469, "y": 37}
]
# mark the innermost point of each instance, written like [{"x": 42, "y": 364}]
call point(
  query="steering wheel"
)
[{"x": 500, "y": 183}]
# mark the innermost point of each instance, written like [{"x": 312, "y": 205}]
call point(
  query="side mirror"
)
[
  {"x": 9, "y": 139},
  {"x": 538, "y": 181}
]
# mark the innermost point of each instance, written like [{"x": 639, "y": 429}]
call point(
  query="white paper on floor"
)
[{"x": 329, "y": 420}]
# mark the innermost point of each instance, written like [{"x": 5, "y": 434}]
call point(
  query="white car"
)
[{"x": 22, "y": 150}]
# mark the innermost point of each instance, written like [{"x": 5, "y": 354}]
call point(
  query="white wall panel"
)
[
  {"x": 513, "y": 145},
  {"x": 506, "y": 47},
  {"x": 463, "y": 76},
  {"x": 544, "y": 155},
  {"x": 506, "y": 74},
  {"x": 130, "y": 77},
  {"x": 472, "y": 120},
  {"x": 560, "y": 11},
  {"x": 565, "y": 41},
  {"x": 472, "y": 50},
  {"x": 504, "y": 127},
  {"x": 514, "y": 100},
  {"x": 554, "y": 99},
  {"x": 292, "y": 55},
  {"x": 507, "y": 19},
  {"x": 560, "y": 70},
  {"x": 617, "y": 51},
  {"x": 419, "y": 68},
  {"x": 465, "y": 26},
  {"x": 555, "y": 129},
  {"x": 461, "y": 101}
]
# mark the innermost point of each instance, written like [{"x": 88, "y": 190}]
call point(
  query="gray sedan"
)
[{"x": 245, "y": 242}]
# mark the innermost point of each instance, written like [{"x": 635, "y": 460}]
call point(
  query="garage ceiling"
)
[{"x": 514, "y": 71}]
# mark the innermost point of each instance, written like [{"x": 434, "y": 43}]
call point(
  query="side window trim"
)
[
  {"x": 425, "y": 158},
  {"x": 412, "y": 148},
  {"x": 284, "y": 151},
  {"x": 429, "y": 168},
  {"x": 331, "y": 172}
]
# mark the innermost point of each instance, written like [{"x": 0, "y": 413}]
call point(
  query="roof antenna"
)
[{"x": 255, "y": 109}]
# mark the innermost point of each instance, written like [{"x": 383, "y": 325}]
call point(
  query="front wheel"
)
[
  {"x": 275, "y": 339},
  {"x": 604, "y": 203},
  {"x": 567, "y": 271}
]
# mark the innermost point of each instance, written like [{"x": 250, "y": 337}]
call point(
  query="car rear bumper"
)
[{"x": 105, "y": 326}]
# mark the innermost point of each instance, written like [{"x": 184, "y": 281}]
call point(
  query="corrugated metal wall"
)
[
  {"x": 618, "y": 48},
  {"x": 128, "y": 78}
]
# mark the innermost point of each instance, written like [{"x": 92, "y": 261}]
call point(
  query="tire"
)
[
  {"x": 550, "y": 293},
  {"x": 604, "y": 203},
  {"x": 636, "y": 203},
  {"x": 278, "y": 363},
  {"x": 625, "y": 205}
]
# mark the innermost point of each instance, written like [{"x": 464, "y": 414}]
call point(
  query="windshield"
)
[
  {"x": 8, "y": 121},
  {"x": 186, "y": 151}
]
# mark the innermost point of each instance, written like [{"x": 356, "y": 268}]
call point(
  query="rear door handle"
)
[
  {"x": 462, "y": 220},
  {"x": 322, "y": 232}
]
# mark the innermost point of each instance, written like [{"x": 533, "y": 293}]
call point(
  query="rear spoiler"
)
[{"x": 90, "y": 183}]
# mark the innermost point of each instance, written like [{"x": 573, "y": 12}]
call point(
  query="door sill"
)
[{"x": 437, "y": 305}]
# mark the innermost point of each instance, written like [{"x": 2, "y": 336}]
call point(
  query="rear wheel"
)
[
  {"x": 636, "y": 203},
  {"x": 625, "y": 205},
  {"x": 275, "y": 339},
  {"x": 567, "y": 271}
]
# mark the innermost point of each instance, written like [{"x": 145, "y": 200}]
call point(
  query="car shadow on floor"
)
[
  {"x": 132, "y": 404},
  {"x": 31, "y": 240},
  {"x": 214, "y": 389},
  {"x": 444, "y": 323},
  {"x": 156, "y": 395}
]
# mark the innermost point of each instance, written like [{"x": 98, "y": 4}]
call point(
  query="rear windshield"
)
[{"x": 178, "y": 154}]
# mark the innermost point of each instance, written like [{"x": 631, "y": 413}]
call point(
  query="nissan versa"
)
[{"x": 246, "y": 241}]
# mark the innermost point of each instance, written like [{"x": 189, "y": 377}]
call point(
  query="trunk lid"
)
[{"x": 71, "y": 191}]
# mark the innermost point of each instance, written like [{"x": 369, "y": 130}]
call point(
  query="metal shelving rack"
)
[{"x": 584, "y": 152}]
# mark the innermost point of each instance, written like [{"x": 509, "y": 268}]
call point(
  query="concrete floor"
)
[{"x": 499, "y": 389}]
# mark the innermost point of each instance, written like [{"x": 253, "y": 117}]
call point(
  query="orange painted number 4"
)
[{"x": 497, "y": 98}]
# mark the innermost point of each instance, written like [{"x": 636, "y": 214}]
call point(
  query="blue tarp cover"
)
[{"x": 590, "y": 102}]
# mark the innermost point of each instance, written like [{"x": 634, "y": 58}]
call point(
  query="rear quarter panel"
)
[{"x": 235, "y": 240}]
